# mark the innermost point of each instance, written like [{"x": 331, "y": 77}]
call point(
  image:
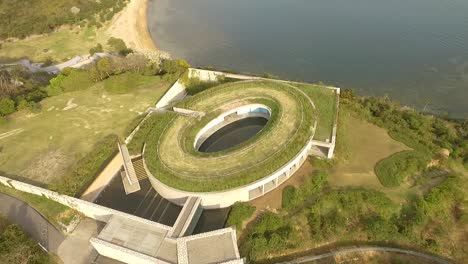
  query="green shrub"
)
[
  {"x": 84, "y": 171},
  {"x": 240, "y": 211},
  {"x": 290, "y": 197},
  {"x": 392, "y": 171},
  {"x": 135, "y": 146},
  {"x": 7, "y": 106},
  {"x": 69, "y": 81},
  {"x": 16, "y": 247},
  {"x": 97, "y": 49}
]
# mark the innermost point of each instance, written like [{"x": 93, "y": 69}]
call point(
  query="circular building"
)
[{"x": 234, "y": 142}]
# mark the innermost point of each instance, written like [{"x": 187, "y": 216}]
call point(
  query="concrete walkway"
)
[
  {"x": 76, "y": 247},
  {"x": 31, "y": 221}
]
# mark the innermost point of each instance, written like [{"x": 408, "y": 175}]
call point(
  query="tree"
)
[
  {"x": 97, "y": 49},
  {"x": 119, "y": 45},
  {"x": 7, "y": 106}
]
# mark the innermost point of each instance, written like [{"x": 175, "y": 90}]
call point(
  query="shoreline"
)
[{"x": 131, "y": 25}]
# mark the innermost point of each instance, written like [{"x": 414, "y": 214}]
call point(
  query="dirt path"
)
[
  {"x": 11, "y": 133},
  {"x": 131, "y": 26},
  {"x": 308, "y": 259}
]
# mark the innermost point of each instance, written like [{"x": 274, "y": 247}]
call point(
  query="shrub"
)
[
  {"x": 97, "y": 49},
  {"x": 7, "y": 106},
  {"x": 119, "y": 45},
  {"x": 84, "y": 171},
  {"x": 16, "y": 247},
  {"x": 392, "y": 171},
  {"x": 290, "y": 197},
  {"x": 240, "y": 211}
]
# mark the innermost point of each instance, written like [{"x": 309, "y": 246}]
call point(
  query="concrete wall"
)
[
  {"x": 89, "y": 209},
  {"x": 121, "y": 253},
  {"x": 210, "y": 200},
  {"x": 176, "y": 93}
]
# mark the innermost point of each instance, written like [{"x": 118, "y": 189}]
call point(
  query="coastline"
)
[{"x": 131, "y": 25}]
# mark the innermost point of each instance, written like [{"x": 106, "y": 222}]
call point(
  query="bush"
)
[
  {"x": 119, "y": 45},
  {"x": 392, "y": 171},
  {"x": 69, "y": 81},
  {"x": 97, "y": 49},
  {"x": 290, "y": 197},
  {"x": 16, "y": 247},
  {"x": 84, "y": 171},
  {"x": 240, "y": 211},
  {"x": 7, "y": 106}
]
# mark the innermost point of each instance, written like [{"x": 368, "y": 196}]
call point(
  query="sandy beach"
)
[{"x": 131, "y": 26}]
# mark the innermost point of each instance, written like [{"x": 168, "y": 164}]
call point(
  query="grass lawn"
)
[
  {"x": 59, "y": 46},
  {"x": 43, "y": 145}
]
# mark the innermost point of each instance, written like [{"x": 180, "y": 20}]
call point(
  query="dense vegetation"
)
[
  {"x": 240, "y": 212},
  {"x": 16, "y": 247},
  {"x": 20, "y": 90},
  {"x": 44, "y": 16},
  {"x": 396, "y": 169},
  {"x": 343, "y": 214},
  {"x": 86, "y": 169}
]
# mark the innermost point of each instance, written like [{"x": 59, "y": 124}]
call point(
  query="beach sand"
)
[{"x": 131, "y": 26}]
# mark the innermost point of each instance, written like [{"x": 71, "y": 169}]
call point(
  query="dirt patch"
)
[
  {"x": 272, "y": 200},
  {"x": 46, "y": 167}
]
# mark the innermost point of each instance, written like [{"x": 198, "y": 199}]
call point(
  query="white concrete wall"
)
[
  {"x": 122, "y": 254},
  {"x": 175, "y": 93},
  {"x": 89, "y": 209},
  {"x": 210, "y": 200}
]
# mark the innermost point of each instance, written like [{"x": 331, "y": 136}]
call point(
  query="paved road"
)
[
  {"x": 366, "y": 249},
  {"x": 33, "y": 223}
]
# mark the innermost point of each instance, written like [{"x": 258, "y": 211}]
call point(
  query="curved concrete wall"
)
[
  {"x": 250, "y": 110},
  {"x": 221, "y": 199}
]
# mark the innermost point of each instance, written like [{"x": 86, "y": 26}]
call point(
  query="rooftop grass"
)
[
  {"x": 325, "y": 102},
  {"x": 169, "y": 152}
]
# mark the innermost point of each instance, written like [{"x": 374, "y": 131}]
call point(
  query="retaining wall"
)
[
  {"x": 91, "y": 210},
  {"x": 175, "y": 93}
]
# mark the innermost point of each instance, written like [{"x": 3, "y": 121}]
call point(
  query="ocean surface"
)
[{"x": 414, "y": 51}]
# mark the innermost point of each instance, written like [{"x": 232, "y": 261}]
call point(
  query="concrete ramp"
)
[
  {"x": 187, "y": 219},
  {"x": 129, "y": 177}
]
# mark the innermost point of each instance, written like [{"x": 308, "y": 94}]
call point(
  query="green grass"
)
[
  {"x": 237, "y": 167},
  {"x": 55, "y": 212},
  {"x": 392, "y": 171},
  {"x": 59, "y": 46},
  {"x": 128, "y": 82},
  {"x": 325, "y": 102},
  {"x": 67, "y": 127}
]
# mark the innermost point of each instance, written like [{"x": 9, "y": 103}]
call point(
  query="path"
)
[
  {"x": 11, "y": 133},
  {"x": 367, "y": 249},
  {"x": 31, "y": 221}
]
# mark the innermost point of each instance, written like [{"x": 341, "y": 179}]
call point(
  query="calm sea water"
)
[{"x": 414, "y": 51}]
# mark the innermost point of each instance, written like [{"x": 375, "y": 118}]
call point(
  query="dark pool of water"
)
[
  {"x": 233, "y": 134},
  {"x": 211, "y": 220},
  {"x": 147, "y": 203},
  {"x": 416, "y": 51}
]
